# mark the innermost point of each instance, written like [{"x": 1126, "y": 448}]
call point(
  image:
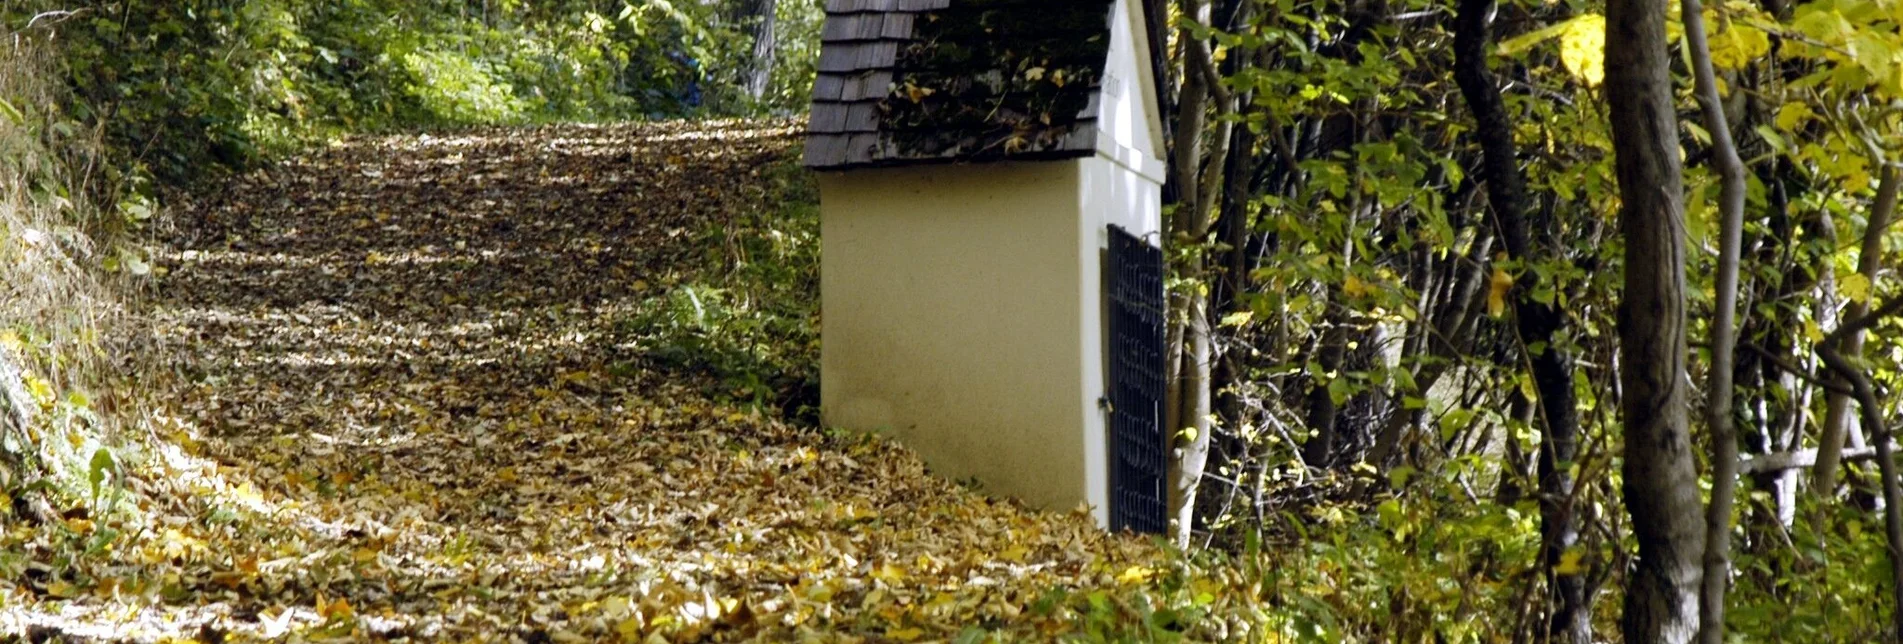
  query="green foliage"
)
[
  {"x": 751, "y": 323},
  {"x": 799, "y": 27},
  {"x": 1806, "y": 586},
  {"x": 181, "y": 87},
  {"x": 63, "y": 241}
]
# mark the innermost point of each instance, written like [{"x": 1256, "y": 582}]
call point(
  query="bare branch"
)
[
  {"x": 1802, "y": 374},
  {"x": 1799, "y": 459}
]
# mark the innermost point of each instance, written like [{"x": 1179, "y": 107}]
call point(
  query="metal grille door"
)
[{"x": 1138, "y": 499}]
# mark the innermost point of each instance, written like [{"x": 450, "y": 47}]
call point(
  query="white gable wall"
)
[
  {"x": 1127, "y": 104},
  {"x": 1110, "y": 194}
]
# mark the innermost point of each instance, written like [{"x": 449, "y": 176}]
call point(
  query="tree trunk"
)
[
  {"x": 1830, "y": 444},
  {"x": 1777, "y": 419},
  {"x": 1538, "y": 324},
  {"x": 761, "y": 20},
  {"x": 1187, "y": 409},
  {"x": 1233, "y": 232},
  {"x": 1661, "y": 486},
  {"x": 1724, "y": 332},
  {"x": 1319, "y": 450}
]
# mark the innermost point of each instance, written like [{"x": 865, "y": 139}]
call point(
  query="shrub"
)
[
  {"x": 752, "y": 322},
  {"x": 57, "y": 241}
]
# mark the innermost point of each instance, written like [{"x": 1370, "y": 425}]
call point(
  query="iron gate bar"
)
[{"x": 1134, "y": 270}]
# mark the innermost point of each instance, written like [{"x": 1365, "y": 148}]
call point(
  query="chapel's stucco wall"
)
[{"x": 954, "y": 300}]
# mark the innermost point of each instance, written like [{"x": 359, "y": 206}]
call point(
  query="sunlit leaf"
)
[
  {"x": 1582, "y": 48},
  {"x": 1498, "y": 287},
  {"x": 1854, "y": 287}
]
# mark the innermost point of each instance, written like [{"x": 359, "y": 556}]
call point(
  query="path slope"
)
[{"x": 414, "y": 348}]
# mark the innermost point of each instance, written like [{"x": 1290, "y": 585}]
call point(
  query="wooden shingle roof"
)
[{"x": 908, "y": 81}]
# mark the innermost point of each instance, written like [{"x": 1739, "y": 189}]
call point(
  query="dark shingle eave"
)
[
  {"x": 868, "y": 26},
  {"x": 863, "y": 41},
  {"x": 869, "y": 162},
  {"x": 857, "y": 150},
  {"x": 913, "y": 6}
]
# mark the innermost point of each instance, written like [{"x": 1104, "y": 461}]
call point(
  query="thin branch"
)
[
  {"x": 1206, "y": 65},
  {"x": 1802, "y": 374},
  {"x": 1849, "y": 335},
  {"x": 1864, "y": 322},
  {"x": 1724, "y": 330},
  {"x": 55, "y": 16},
  {"x": 1799, "y": 459},
  {"x": 1870, "y": 408}
]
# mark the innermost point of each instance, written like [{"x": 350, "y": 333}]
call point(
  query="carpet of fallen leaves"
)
[{"x": 403, "y": 411}]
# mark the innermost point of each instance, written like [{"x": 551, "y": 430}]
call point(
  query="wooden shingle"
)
[
  {"x": 856, "y": 26},
  {"x": 904, "y": 81},
  {"x": 858, "y": 56}
]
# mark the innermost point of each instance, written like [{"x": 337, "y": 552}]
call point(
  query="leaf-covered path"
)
[{"x": 407, "y": 353}]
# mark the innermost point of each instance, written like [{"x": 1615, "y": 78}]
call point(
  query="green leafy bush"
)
[
  {"x": 454, "y": 88},
  {"x": 180, "y": 87},
  {"x": 753, "y": 321},
  {"x": 62, "y": 240}
]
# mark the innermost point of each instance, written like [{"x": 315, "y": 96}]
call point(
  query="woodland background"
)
[{"x": 1408, "y": 409}]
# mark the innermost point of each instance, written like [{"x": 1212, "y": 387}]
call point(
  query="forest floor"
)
[{"x": 404, "y": 381}]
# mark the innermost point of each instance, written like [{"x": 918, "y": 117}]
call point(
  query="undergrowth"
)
[
  {"x": 750, "y": 320},
  {"x": 56, "y": 306},
  {"x": 187, "y": 88},
  {"x": 93, "y": 473}
]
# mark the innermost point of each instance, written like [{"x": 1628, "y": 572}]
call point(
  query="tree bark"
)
[
  {"x": 1233, "y": 232},
  {"x": 1777, "y": 421},
  {"x": 1830, "y": 443},
  {"x": 1319, "y": 450},
  {"x": 1195, "y": 174},
  {"x": 1661, "y": 486},
  {"x": 1724, "y": 332},
  {"x": 1538, "y": 324},
  {"x": 758, "y": 75}
]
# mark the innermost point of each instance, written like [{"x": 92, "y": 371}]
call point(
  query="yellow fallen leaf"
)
[
  {"x": 1135, "y": 575},
  {"x": 615, "y": 606},
  {"x": 330, "y": 610},
  {"x": 630, "y": 629},
  {"x": 906, "y": 634},
  {"x": 889, "y": 573}
]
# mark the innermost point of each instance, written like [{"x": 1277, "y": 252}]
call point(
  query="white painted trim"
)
[
  {"x": 1146, "y": 72},
  {"x": 1130, "y": 159}
]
